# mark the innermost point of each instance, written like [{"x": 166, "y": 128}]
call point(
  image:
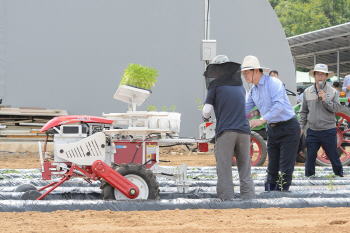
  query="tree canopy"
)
[{"x": 301, "y": 16}]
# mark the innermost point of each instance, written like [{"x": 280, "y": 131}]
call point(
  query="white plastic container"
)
[
  {"x": 163, "y": 123},
  {"x": 153, "y": 123},
  {"x": 174, "y": 122}
]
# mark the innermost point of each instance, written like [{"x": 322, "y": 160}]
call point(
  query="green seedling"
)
[
  {"x": 151, "y": 108},
  {"x": 164, "y": 108},
  {"x": 139, "y": 76},
  {"x": 299, "y": 169},
  {"x": 281, "y": 181},
  {"x": 27, "y": 177},
  {"x": 330, "y": 182},
  {"x": 9, "y": 171},
  {"x": 172, "y": 108},
  {"x": 200, "y": 105}
]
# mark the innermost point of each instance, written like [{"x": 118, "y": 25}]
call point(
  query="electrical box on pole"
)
[{"x": 208, "y": 50}]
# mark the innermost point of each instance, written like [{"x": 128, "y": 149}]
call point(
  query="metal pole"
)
[
  {"x": 315, "y": 59},
  {"x": 295, "y": 67},
  {"x": 338, "y": 65},
  {"x": 206, "y": 20},
  {"x": 206, "y": 34}
]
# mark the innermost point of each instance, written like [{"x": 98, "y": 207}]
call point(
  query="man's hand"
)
[
  {"x": 348, "y": 87},
  {"x": 205, "y": 119},
  {"x": 301, "y": 132},
  {"x": 322, "y": 94},
  {"x": 255, "y": 123}
]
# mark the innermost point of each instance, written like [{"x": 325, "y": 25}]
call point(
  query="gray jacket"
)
[{"x": 319, "y": 114}]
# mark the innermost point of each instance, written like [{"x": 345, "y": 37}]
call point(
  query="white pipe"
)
[
  {"x": 41, "y": 157},
  {"x": 185, "y": 140}
]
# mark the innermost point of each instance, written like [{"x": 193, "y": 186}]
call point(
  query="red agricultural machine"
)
[{"x": 125, "y": 160}]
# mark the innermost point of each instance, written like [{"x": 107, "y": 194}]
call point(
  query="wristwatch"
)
[{"x": 262, "y": 119}]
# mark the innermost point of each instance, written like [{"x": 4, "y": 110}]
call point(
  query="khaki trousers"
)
[{"x": 228, "y": 144}]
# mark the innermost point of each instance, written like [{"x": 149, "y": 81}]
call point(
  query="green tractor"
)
[{"x": 343, "y": 136}]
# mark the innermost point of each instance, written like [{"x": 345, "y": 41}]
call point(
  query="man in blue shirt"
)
[
  {"x": 283, "y": 130},
  {"x": 227, "y": 95}
]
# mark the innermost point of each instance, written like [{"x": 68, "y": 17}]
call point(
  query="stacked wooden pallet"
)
[{"x": 24, "y": 123}]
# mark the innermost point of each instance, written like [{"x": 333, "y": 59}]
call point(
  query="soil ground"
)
[{"x": 234, "y": 220}]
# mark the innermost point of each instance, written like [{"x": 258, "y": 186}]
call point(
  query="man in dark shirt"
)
[{"x": 227, "y": 95}]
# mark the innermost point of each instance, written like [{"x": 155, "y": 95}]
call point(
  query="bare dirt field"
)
[{"x": 234, "y": 220}]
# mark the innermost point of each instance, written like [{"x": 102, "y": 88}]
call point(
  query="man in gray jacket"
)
[{"x": 318, "y": 108}]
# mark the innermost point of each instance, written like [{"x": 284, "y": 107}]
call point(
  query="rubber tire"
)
[
  {"x": 25, "y": 188},
  {"x": 340, "y": 152},
  {"x": 301, "y": 159},
  {"x": 261, "y": 141},
  {"x": 31, "y": 195},
  {"x": 136, "y": 169}
]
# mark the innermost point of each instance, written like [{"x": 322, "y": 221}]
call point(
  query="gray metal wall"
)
[{"x": 70, "y": 54}]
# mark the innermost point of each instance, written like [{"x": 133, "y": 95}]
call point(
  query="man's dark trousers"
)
[
  {"x": 282, "y": 147},
  {"x": 328, "y": 140}
]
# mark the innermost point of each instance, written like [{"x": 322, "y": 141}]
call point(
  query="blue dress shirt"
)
[{"x": 271, "y": 99}]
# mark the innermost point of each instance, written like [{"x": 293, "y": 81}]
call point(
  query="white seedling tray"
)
[{"x": 131, "y": 95}]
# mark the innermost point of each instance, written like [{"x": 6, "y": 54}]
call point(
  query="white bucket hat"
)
[
  {"x": 321, "y": 68},
  {"x": 252, "y": 62},
  {"x": 219, "y": 59}
]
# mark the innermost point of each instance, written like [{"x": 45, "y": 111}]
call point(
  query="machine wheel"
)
[
  {"x": 343, "y": 142},
  {"x": 25, "y": 188},
  {"x": 140, "y": 176},
  {"x": 301, "y": 156},
  {"x": 31, "y": 195},
  {"x": 258, "y": 150}
]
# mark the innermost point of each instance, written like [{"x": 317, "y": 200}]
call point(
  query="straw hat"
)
[
  {"x": 321, "y": 68},
  {"x": 252, "y": 62}
]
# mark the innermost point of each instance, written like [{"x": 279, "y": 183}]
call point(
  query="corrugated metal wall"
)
[{"x": 71, "y": 54}]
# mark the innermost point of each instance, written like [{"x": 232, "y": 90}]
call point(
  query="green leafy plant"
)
[
  {"x": 9, "y": 171},
  {"x": 172, "y": 108},
  {"x": 200, "y": 105},
  {"x": 151, "y": 108},
  {"x": 139, "y": 76},
  {"x": 330, "y": 182},
  {"x": 281, "y": 181},
  {"x": 164, "y": 108}
]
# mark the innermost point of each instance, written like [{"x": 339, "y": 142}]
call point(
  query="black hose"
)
[
  {"x": 137, "y": 148},
  {"x": 178, "y": 144}
]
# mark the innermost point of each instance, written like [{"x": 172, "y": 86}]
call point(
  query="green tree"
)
[
  {"x": 274, "y": 3},
  {"x": 301, "y": 16}
]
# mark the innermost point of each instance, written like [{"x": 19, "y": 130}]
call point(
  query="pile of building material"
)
[{"x": 24, "y": 123}]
